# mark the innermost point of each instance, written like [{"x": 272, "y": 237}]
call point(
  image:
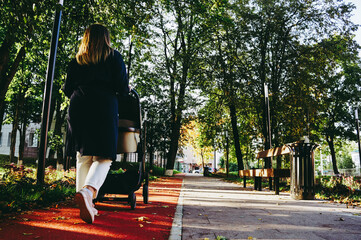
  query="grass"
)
[
  {"x": 337, "y": 189},
  {"x": 19, "y": 191}
]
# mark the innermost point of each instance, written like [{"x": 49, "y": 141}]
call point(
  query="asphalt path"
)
[{"x": 214, "y": 208}]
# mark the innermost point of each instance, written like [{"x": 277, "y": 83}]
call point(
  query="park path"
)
[
  {"x": 213, "y": 208},
  {"x": 207, "y": 208},
  {"x": 116, "y": 219}
]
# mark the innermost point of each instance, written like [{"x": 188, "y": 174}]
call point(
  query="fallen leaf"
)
[
  {"x": 260, "y": 219},
  {"x": 141, "y": 225},
  {"x": 60, "y": 218},
  {"x": 27, "y": 234},
  {"x": 165, "y": 206},
  {"x": 141, "y": 219},
  {"x": 250, "y": 237},
  {"x": 25, "y": 219}
]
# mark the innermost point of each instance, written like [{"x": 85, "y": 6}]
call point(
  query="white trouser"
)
[{"x": 91, "y": 171}]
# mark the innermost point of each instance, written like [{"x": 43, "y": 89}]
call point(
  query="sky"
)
[{"x": 356, "y": 18}]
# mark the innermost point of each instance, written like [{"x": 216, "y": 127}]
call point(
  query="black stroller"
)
[{"x": 131, "y": 139}]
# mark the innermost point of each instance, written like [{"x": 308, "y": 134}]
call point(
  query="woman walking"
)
[{"x": 95, "y": 77}]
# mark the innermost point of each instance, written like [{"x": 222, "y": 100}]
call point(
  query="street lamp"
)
[
  {"x": 321, "y": 162},
  {"x": 215, "y": 156},
  {"x": 227, "y": 152},
  {"x": 47, "y": 95},
  {"x": 268, "y": 117},
  {"x": 268, "y": 162},
  {"x": 268, "y": 125},
  {"x": 358, "y": 135}
]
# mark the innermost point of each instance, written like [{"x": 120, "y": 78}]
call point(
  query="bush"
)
[
  {"x": 158, "y": 171},
  {"x": 339, "y": 189},
  {"x": 4, "y": 159},
  {"x": 19, "y": 191}
]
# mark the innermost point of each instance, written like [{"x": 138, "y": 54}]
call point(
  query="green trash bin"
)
[{"x": 302, "y": 171}]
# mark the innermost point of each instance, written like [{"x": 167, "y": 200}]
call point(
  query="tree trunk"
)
[
  {"x": 13, "y": 140},
  {"x": 331, "y": 145},
  {"x": 130, "y": 58},
  {"x": 232, "y": 110},
  {"x": 2, "y": 112},
  {"x": 59, "y": 121},
  {"x": 177, "y": 117},
  {"x": 262, "y": 74},
  {"x": 15, "y": 127},
  {"x": 5, "y": 49},
  {"x": 22, "y": 132},
  {"x": 173, "y": 149},
  {"x": 20, "y": 108},
  {"x": 7, "y": 73},
  {"x": 151, "y": 159}
]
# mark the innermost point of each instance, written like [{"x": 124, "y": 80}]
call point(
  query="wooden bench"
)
[{"x": 270, "y": 173}]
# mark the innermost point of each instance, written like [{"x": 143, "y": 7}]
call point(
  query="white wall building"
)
[
  {"x": 31, "y": 138},
  {"x": 356, "y": 159},
  {"x": 189, "y": 161}
]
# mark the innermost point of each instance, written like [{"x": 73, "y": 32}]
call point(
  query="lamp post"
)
[
  {"x": 215, "y": 159},
  {"x": 268, "y": 122},
  {"x": 47, "y": 94},
  {"x": 268, "y": 162},
  {"x": 358, "y": 135},
  {"x": 227, "y": 153},
  {"x": 321, "y": 162}
]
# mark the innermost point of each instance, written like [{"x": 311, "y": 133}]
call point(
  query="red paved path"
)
[{"x": 116, "y": 220}]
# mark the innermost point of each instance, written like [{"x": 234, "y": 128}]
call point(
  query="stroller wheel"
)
[
  {"x": 145, "y": 193},
  {"x": 132, "y": 200}
]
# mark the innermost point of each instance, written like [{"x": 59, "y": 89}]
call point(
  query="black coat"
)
[{"x": 93, "y": 112}]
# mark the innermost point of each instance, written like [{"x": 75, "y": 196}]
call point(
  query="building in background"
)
[
  {"x": 189, "y": 162},
  {"x": 31, "y": 140}
]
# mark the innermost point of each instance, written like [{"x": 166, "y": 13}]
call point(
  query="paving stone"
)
[{"x": 212, "y": 207}]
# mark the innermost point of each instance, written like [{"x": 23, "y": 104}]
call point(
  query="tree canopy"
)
[{"x": 199, "y": 59}]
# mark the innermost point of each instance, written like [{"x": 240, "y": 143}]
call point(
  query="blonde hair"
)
[{"x": 95, "y": 45}]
